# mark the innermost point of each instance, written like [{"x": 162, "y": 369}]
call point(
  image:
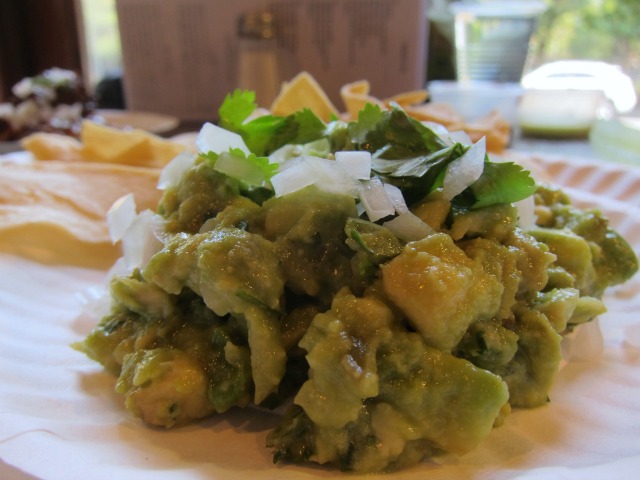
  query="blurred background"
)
[
  {"x": 567, "y": 29},
  {"x": 468, "y": 50},
  {"x": 38, "y": 34}
]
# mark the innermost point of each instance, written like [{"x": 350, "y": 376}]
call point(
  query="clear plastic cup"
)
[{"x": 492, "y": 38}]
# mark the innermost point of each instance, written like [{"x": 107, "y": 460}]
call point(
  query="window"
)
[{"x": 101, "y": 47}]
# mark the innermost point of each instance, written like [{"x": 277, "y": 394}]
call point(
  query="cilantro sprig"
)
[
  {"x": 267, "y": 133},
  {"x": 413, "y": 157}
]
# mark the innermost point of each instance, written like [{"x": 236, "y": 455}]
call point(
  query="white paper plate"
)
[{"x": 61, "y": 420}]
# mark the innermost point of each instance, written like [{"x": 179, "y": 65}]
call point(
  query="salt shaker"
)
[{"x": 258, "y": 65}]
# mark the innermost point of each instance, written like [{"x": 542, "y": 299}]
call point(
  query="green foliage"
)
[{"x": 604, "y": 30}]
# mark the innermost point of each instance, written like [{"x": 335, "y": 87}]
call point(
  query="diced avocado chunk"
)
[
  {"x": 572, "y": 251},
  {"x": 373, "y": 245},
  {"x": 307, "y": 229},
  {"x": 433, "y": 210},
  {"x": 422, "y": 401},
  {"x": 490, "y": 222},
  {"x": 424, "y": 384},
  {"x": 613, "y": 260},
  {"x": 501, "y": 262},
  {"x": 342, "y": 352},
  {"x": 200, "y": 194},
  {"x": 164, "y": 386},
  {"x": 532, "y": 370},
  {"x": 558, "y": 305},
  {"x": 236, "y": 272},
  {"x": 440, "y": 289},
  {"x": 488, "y": 344},
  {"x": 565, "y": 308}
]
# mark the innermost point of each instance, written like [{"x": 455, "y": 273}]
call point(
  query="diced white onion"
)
[
  {"x": 375, "y": 200},
  {"x": 526, "y": 212},
  {"x": 173, "y": 171},
  {"x": 142, "y": 239},
  {"x": 95, "y": 301},
  {"x": 140, "y": 234},
  {"x": 212, "y": 138},
  {"x": 330, "y": 177},
  {"x": 121, "y": 216},
  {"x": 291, "y": 179},
  {"x": 459, "y": 136},
  {"x": 357, "y": 163},
  {"x": 325, "y": 174},
  {"x": 284, "y": 153},
  {"x": 465, "y": 170},
  {"x": 397, "y": 199},
  {"x": 450, "y": 138},
  {"x": 436, "y": 128},
  {"x": 408, "y": 227}
]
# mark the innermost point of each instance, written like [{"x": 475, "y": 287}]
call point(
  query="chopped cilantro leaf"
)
[
  {"x": 248, "y": 169},
  {"x": 267, "y": 133},
  {"x": 236, "y": 108},
  {"x": 502, "y": 183}
]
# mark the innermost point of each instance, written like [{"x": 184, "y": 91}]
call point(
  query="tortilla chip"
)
[
  {"x": 441, "y": 113},
  {"x": 407, "y": 99},
  {"x": 356, "y": 95},
  {"x": 104, "y": 144},
  {"x": 303, "y": 92},
  {"x": 110, "y": 145},
  {"x": 492, "y": 126},
  {"x": 49, "y": 146},
  {"x": 55, "y": 211}
]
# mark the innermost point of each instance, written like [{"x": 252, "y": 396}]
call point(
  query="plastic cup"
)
[{"x": 492, "y": 38}]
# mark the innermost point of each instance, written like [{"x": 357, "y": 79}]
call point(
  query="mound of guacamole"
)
[{"x": 274, "y": 287}]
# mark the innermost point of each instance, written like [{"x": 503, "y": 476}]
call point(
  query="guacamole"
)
[{"x": 398, "y": 313}]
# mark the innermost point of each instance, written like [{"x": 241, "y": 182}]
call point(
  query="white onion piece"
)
[
  {"x": 292, "y": 162},
  {"x": 95, "y": 301},
  {"x": 459, "y": 136},
  {"x": 173, "y": 171},
  {"x": 397, "y": 199},
  {"x": 408, "y": 227},
  {"x": 284, "y": 153},
  {"x": 526, "y": 212},
  {"x": 375, "y": 200},
  {"x": 357, "y": 163},
  {"x": 121, "y": 216},
  {"x": 292, "y": 178},
  {"x": 212, "y": 138},
  {"x": 448, "y": 137},
  {"x": 465, "y": 170},
  {"x": 325, "y": 174},
  {"x": 330, "y": 177},
  {"x": 436, "y": 128},
  {"x": 142, "y": 239}
]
